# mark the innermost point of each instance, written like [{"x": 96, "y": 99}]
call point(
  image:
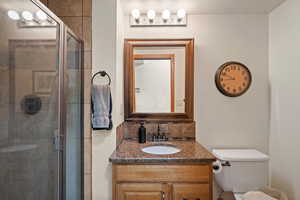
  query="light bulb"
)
[
  {"x": 135, "y": 13},
  {"x": 151, "y": 14},
  {"x": 14, "y": 15},
  {"x": 41, "y": 15},
  {"x": 166, "y": 14},
  {"x": 181, "y": 13},
  {"x": 27, "y": 15}
]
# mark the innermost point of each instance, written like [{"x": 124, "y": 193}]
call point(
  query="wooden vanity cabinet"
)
[
  {"x": 140, "y": 191},
  {"x": 191, "y": 192},
  {"x": 162, "y": 182}
]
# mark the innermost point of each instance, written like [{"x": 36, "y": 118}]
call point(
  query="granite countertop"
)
[{"x": 129, "y": 151}]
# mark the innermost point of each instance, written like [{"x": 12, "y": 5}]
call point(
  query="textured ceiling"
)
[{"x": 205, "y": 6}]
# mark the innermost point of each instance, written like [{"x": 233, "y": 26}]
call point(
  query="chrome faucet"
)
[{"x": 159, "y": 137}]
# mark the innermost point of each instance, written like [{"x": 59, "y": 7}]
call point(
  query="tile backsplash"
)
[{"x": 174, "y": 131}]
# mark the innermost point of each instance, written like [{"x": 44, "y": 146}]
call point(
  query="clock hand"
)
[{"x": 229, "y": 76}]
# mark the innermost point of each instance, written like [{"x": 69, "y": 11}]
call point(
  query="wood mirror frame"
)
[{"x": 129, "y": 92}]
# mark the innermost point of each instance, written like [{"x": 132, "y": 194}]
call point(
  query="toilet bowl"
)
[{"x": 243, "y": 170}]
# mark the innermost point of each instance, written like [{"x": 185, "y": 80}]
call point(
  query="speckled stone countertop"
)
[{"x": 129, "y": 151}]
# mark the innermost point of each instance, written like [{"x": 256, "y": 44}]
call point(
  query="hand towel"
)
[
  {"x": 101, "y": 107},
  {"x": 257, "y": 195}
]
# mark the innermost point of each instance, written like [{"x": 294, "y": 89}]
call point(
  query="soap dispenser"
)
[{"x": 142, "y": 133}]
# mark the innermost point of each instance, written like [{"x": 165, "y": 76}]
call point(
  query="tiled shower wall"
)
[{"x": 77, "y": 14}]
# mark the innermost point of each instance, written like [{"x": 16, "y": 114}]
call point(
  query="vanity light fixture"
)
[
  {"x": 135, "y": 13},
  {"x": 14, "y": 15},
  {"x": 164, "y": 18},
  {"x": 29, "y": 19},
  {"x": 181, "y": 13},
  {"x": 166, "y": 14},
  {"x": 27, "y": 15},
  {"x": 151, "y": 14},
  {"x": 41, "y": 15}
]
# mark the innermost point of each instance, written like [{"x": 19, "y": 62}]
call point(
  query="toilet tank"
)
[{"x": 243, "y": 169}]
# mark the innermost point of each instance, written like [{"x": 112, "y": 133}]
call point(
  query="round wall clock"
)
[{"x": 233, "y": 79}]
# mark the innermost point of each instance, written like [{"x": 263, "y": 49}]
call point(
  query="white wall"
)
[
  {"x": 104, "y": 58},
  {"x": 285, "y": 91},
  {"x": 107, "y": 55},
  {"x": 153, "y": 78},
  {"x": 223, "y": 121}
]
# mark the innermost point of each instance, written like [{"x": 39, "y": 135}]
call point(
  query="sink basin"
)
[{"x": 161, "y": 149}]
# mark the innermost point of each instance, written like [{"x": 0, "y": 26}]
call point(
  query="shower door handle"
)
[{"x": 57, "y": 143}]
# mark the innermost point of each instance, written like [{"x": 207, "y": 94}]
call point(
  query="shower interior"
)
[{"x": 40, "y": 106}]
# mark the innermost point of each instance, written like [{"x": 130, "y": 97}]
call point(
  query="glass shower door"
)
[
  {"x": 30, "y": 80},
  {"x": 73, "y": 105}
]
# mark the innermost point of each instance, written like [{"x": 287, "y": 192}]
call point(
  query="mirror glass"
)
[{"x": 159, "y": 79}]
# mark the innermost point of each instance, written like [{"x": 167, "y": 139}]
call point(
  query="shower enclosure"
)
[{"x": 40, "y": 105}]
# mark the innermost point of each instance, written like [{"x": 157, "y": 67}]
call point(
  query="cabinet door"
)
[
  {"x": 191, "y": 192},
  {"x": 140, "y": 191}
]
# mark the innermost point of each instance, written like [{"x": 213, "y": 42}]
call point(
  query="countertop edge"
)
[{"x": 160, "y": 160}]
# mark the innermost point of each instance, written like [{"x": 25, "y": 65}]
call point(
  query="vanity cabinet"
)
[
  {"x": 162, "y": 181},
  {"x": 191, "y": 191},
  {"x": 140, "y": 191}
]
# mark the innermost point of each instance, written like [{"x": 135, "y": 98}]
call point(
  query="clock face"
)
[{"x": 233, "y": 79}]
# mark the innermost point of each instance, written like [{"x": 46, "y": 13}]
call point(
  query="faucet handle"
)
[
  {"x": 164, "y": 137},
  {"x": 154, "y": 137}
]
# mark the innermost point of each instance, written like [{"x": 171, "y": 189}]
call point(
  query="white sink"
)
[{"x": 161, "y": 149}]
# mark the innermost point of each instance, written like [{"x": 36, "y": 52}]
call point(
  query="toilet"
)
[{"x": 243, "y": 170}]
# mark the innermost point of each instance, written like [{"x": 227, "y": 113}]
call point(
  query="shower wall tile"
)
[
  {"x": 87, "y": 59},
  {"x": 4, "y": 112},
  {"x": 87, "y": 8},
  {"x": 45, "y": 2},
  {"x": 74, "y": 23},
  {"x": 64, "y": 8},
  {"x": 87, "y": 156},
  {"x": 87, "y": 33},
  {"x": 3, "y": 131},
  {"x": 87, "y": 122},
  {"x": 87, "y": 86},
  {"x": 87, "y": 186}
]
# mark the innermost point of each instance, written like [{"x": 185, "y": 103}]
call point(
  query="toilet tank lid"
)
[{"x": 241, "y": 155}]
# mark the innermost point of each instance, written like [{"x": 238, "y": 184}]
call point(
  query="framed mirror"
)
[{"x": 159, "y": 79}]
